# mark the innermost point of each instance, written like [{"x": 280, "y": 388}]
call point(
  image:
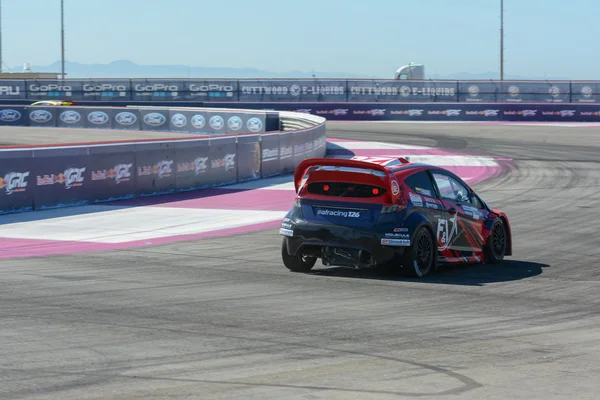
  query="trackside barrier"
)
[
  {"x": 491, "y": 112},
  {"x": 167, "y": 119},
  {"x": 46, "y": 177},
  {"x": 301, "y": 90}
]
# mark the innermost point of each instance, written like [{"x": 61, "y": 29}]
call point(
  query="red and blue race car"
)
[{"x": 368, "y": 212}]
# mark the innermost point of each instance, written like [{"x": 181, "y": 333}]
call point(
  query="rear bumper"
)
[{"x": 343, "y": 246}]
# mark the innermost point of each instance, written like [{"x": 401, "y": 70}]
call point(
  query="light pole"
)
[
  {"x": 501, "y": 40},
  {"x": 62, "y": 37}
]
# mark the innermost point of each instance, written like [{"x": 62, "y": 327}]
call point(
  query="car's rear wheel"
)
[
  {"x": 297, "y": 263},
  {"x": 420, "y": 258},
  {"x": 495, "y": 248}
]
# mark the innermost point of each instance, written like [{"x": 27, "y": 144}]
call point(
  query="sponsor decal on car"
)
[
  {"x": 398, "y": 235},
  {"x": 395, "y": 188},
  {"x": 395, "y": 242},
  {"x": 416, "y": 199},
  {"x": 338, "y": 213},
  {"x": 472, "y": 211},
  {"x": 447, "y": 232}
]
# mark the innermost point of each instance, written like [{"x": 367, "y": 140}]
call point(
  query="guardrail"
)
[
  {"x": 301, "y": 90},
  {"x": 51, "y": 176}
]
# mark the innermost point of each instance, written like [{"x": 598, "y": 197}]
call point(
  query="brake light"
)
[
  {"x": 326, "y": 187},
  {"x": 375, "y": 191},
  {"x": 391, "y": 209}
]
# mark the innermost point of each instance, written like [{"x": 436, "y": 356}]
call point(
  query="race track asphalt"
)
[
  {"x": 11, "y": 136},
  {"x": 223, "y": 319}
]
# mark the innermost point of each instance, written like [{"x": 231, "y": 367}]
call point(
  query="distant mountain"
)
[{"x": 128, "y": 69}]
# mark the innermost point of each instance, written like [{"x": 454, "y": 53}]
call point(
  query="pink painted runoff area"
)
[{"x": 275, "y": 196}]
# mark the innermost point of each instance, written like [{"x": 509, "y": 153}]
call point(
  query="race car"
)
[
  {"x": 53, "y": 103},
  {"x": 366, "y": 212}
]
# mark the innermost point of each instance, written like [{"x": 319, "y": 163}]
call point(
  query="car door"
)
[
  {"x": 463, "y": 231},
  {"x": 424, "y": 196}
]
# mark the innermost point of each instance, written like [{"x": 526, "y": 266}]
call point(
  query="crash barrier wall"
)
[
  {"x": 301, "y": 90},
  {"x": 490, "y": 112},
  {"x": 45, "y": 177},
  {"x": 168, "y": 119}
]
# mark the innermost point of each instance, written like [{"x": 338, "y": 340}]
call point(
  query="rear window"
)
[
  {"x": 345, "y": 189},
  {"x": 420, "y": 183}
]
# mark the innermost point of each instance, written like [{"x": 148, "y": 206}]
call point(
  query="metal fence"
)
[{"x": 302, "y": 90}]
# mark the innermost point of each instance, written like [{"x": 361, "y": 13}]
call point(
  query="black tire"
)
[
  {"x": 297, "y": 263},
  {"x": 420, "y": 258},
  {"x": 495, "y": 248}
]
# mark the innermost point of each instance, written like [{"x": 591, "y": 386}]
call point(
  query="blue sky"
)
[{"x": 542, "y": 37}]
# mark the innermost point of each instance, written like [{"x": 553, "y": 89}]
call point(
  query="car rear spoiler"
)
[{"x": 305, "y": 165}]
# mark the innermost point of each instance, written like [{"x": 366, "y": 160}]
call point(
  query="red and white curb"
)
[{"x": 230, "y": 210}]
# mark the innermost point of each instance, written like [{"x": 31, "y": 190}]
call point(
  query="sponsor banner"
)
[
  {"x": 453, "y": 111},
  {"x": 269, "y": 147},
  {"x": 585, "y": 92},
  {"x": 61, "y": 178},
  {"x": 210, "y": 90},
  {"x": 223, "y": 160},
  {"x": 286, "y": 153},
  {"x": 192, "y": 165},
  {"x": 156, "y": 89},
  {"x": 248, "y": 158},
  {"x": 43, "y": 116},
  {"x": 17, "y": 181},
  {"x": 12, "y": 89},
  {"x": 48, "y": 89},
  {"x": 401, "y": 91},
  {"x": 128, "y": 119},
  {"x": 154, "y": 119},
  {"x": 70, "y": 117},
  {"x": 245, "y": 122},
  {"x": 477, "y": 92},
  {"x": 112, "y": 173},
  {"x": 13, "y": 116},
  {"x": 533, "y": 92},
  {"x": 180, "y": 120},
  {"x": 277, "y": 90},
  {"x": 539, "y": 112},
  {"x": 98, "y": 118},
  {"x": 216, "y": 122},
  {"x": 319, "y": 142},
  {"x": 188, "y": 121},
  {"x": 155, "y": 169},
  {"x": 69, "y": 176},
  {"x": 298, "y": 146},
  {"x": 101, "y": 90},
  {"x": 588, "y": 113}
]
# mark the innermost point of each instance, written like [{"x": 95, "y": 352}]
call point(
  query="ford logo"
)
[
  {"x": 179, "y": 120},
  {"x": 154, "y": 119},
  {"x": 254, "y": 124},
  {"x": 125, "y": 118},
  {"x": 235, "y": 123},
  {"x": 98, "y": 117},
  {"x": 10, "y": 115},
  {"x": 40, "y": 116},
  {"x": 217, "y": 122},
  {"x": 70, "y": 117},
  {"x": 198, "y": 121}
]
